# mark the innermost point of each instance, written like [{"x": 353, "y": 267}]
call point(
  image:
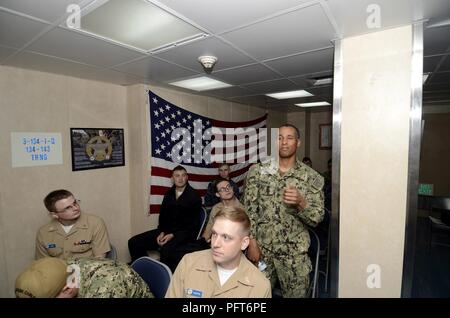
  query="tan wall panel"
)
[
  {"x": 41, "y": 102},
  {"x": 374, "y": 152}
]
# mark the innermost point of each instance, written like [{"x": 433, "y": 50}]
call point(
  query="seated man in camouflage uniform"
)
[
  {"x": 280, "y": 198},
  {"x": 83, "y": 278}
]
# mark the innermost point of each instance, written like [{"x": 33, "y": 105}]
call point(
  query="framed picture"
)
[
  {"x": 94, "y": 148},
  {"x": 325, "y": 139}
]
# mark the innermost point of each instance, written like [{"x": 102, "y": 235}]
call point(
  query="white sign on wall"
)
[{"x": 35, "y": 149}]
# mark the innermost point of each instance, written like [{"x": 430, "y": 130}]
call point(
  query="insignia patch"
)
[
  {"x": 82, "y": 242},
  {"x": 193, "y": 292},
  {"x": 318, "y": 182}
]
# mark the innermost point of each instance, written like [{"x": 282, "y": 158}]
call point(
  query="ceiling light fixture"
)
[
  {"x": 290, "y": 94},
  {"x": 313, "y": 104},
  {"x": 200, "y": 84},
  {"x": 323, "y": 81}
]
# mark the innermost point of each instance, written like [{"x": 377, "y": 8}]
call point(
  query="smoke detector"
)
[{"x": 208, "y": 62}]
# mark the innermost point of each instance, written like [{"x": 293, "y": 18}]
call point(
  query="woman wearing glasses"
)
[{"x": 70, "y": 233}]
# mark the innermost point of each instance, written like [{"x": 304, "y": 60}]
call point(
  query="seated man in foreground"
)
[{"x": 223, "y": 270}]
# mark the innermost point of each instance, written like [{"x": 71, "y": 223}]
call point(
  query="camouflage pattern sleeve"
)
[
  {"x": 314, "y": 212},
  {"x": 250, "y": 199},
  {"x": 110, "y": 279}
]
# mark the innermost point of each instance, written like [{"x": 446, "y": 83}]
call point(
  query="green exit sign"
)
[{"x": 425, "y": 189}]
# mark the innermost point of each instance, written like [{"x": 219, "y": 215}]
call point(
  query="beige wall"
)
[
  {"x": 33, "y": 101},
  {"x": 374, "y": 153},
  {"x": 40, "y": 102},
  {"x": 318, "y": 157},
  {"x": 435, "y": 153}
]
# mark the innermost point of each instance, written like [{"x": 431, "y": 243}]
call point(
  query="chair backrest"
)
[
  {"x": 314, "y": 251},
  {"x": 112, "y": 254},
  {"x": 203, "y": 219},
  {"x": 156, "y": 274}
]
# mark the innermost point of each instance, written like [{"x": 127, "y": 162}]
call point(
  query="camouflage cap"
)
[{"x": 44, "y": 278}]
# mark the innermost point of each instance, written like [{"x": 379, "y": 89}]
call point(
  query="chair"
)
[
  {"x": 112, "y": 254},
  {"x": 156, "y": 274},
  {"x": 314, "y": 252},
  {"x": 203, "y": 219},
  {"x": 437, "y": 227},
  {"x": 325, "y": 250}
]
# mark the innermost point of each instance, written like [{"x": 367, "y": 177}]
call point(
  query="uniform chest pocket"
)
[
  {"x": 54, "y": 251},
  {"x": 266, "y": 190},
  {"x": 80, "y": 248}
]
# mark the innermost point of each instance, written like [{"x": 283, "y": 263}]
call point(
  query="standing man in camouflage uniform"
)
[
  {"x": 280, "y": 199},
  {"x": 51, "y": 277}
]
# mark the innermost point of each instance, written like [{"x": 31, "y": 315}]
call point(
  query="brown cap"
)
[{"x": 44, "y": 278}]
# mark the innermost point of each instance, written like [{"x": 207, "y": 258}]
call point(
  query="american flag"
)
[{"x": 180, "y": 137}]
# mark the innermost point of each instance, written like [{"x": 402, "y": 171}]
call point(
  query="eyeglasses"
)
[
  {"x": 223, "y": 189},
  {"x": 70, "y": 208}
]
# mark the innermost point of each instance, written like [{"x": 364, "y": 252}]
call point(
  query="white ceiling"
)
[{"x": 263, "y": 46}]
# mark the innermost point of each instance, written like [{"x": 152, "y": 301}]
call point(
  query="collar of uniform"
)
[
  {"x": 80, "y": 223},
  {"x": 242, "y": 272},
  {"x": 298, "y": 167}
]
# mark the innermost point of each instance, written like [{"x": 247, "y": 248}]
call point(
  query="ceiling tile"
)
[
  {"x": 187, "y": 55},
  {"x": 445, "y": 66},
  {"x": 137, "y": 23},
  {"x": 50, "y": 64},
  {"x": 272, "y": 86},
  {"x": 437, "y": 78},
  {"x": 219, "y": 16},
  {"x": 246, "y": 74},
  {"x": 15, "y": 31},
  {"x": 259, "y": 101},
  {"x": 155, "y": 70},
  {"x": 114, "y": 77},
  {"x": 230, "y": 92},
  {"x": 49, "y": 10},
  {"x": 82, "y": 48},
  {"x": 304, "y": 63},
  {"x": 430, "y": 63},
  {"x": 436, "y": 40},
  {"x": 5, "y": 52},
  {"x": 286, "y": 34}
]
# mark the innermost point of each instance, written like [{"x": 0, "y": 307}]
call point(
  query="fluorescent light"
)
[
  {"x": 323, "y": 81},
  {"x": 424, "y": 78},
  {"x": 290, "y": 94},
  {"x": 313, "y": 104},
  {"x": 200, "y": 84}
]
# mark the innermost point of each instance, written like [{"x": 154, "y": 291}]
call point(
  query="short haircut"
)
[
  {"x": 179, "y": 168},
  {"x": 219, "y": 180},
  {"x": 55, "y": 196},
  {"x": 223, "y": 164},
  {"x": 234, "y": 214},
  {"x": 292, "y": 126}
]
